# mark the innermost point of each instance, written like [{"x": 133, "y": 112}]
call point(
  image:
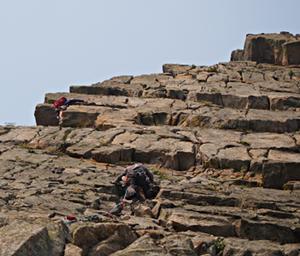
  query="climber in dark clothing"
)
[
  {"x": 136, "y": 176},
  {"x": 135, "y": 183}
]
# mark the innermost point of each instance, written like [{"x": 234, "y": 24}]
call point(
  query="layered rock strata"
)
[
  {"x": 280, "y": 49},
  {"x": 223, "y": 143},
  {"x": 201, "y": 211},
  {"x": 238, "y": 115}
]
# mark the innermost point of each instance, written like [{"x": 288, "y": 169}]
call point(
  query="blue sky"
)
[{"x": 48, "y": 45}]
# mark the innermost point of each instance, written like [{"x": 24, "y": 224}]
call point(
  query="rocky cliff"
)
[
  {"x": 279, "y": 49},
  {"x": 223, "y": 142}
]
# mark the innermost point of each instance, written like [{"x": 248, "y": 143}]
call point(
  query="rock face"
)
[
  {"x": 291, "y": 53},
  {"x": 32, "y": 238},
  {"x": 223, "y": 143},
  {"x": 238, "y": 115},
  {"x": 279, "y": 49}
]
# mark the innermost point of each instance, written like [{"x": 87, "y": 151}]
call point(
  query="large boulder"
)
[
  {"x": 20, "y": 238},
  {"x": 45, "y": 115},
  {"x": 169, "y": 245},
  {"x": 103, "y": 238},
  {"x": 238, "y": 246},
  {"x": 237, "y": 55},
  {"x": 291, "y": 53},
  {"x": 279, "y": 49}
]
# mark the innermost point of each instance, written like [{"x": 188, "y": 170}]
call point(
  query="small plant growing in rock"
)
[
  {"x": 291, "y": 74},
  {"x": 158, "y": 173},
  {"x": 220, "y": 245},
  {"x": 245, "y": 143},
  {"x": 213, "y": 69}
]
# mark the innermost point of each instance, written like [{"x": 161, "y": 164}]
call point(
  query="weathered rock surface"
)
[
  {"x": 188, "y": 217},
  {"x": 231, "y": 115},
  {"x": 33, "y": 237},
  {"x": 103, "y": 239},
  {"x": 280, "y": 49},
  {"x": 223, "y": 143}
]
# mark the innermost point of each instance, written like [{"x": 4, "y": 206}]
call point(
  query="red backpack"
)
[{"x": 59, "y": 102}]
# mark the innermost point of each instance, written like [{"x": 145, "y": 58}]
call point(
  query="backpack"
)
[
  {"x": 59, "y": 102},
  {"x": 137, "y": 174}
]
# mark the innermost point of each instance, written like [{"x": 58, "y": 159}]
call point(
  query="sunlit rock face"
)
[
  {"x": 279, "y": 49},
  {"x": 222, "y": 141}
]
